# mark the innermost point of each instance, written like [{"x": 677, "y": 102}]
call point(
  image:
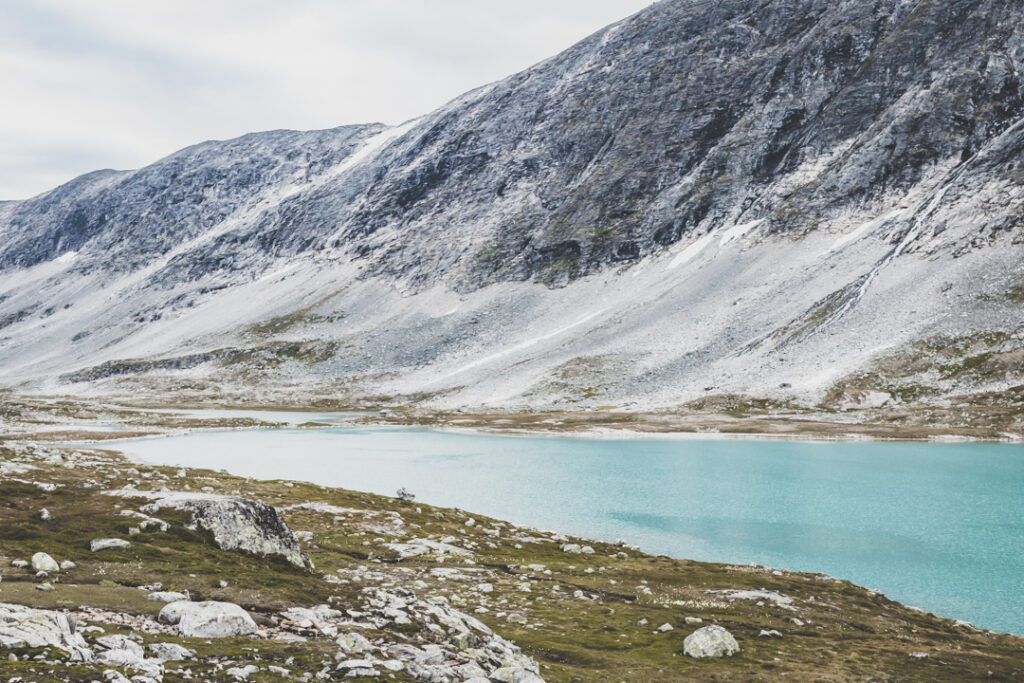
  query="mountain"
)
[{"x": 806, "y": 202}]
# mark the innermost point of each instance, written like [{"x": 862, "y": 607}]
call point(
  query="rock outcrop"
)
[
  {"x": 236, "y": 523},
  {"x": 25, "y": 628}
]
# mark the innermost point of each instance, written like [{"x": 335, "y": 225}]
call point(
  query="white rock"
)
[
  {"x": 710, "y": 641},
  {"x": 67, "y": 564},
  {"x": 693, "y": 621},
  {"x": 573, "y": 548},
  {"x": 45, "y": 587},
  {"x": 208, "y": 619},
  {"x": 515, "y": 674},
  {"x": 242, "y": 673},
  {"x": 45, "y": 515},
  {"x": 170, "y": 652},
  {"x": 25, "y": 627},
  {"x": 166, "y": 596},
  {"x": 42, "y": 562},
  {"x": 919, "y": 655},
  {"x": 665, "y": 628},
  {"x": 769, "y": 633},
  {"x": 100, "y": 544}
]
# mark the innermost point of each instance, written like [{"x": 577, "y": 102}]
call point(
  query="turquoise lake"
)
[{"x": 936, "y": 526}]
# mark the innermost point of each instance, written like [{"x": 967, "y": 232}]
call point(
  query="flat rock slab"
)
[
  {"x": 101, "y": 544},
  {"x": 208, "y": 619}
]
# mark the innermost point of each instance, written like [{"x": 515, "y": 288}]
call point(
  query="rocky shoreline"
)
[{"x": 115, "y": 571}]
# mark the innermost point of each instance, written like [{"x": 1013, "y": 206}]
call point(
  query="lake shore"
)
[{"x": 590, "y": 614}]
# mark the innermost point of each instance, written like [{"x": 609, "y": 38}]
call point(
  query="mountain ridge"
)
[{"x": 763, "y": 198}]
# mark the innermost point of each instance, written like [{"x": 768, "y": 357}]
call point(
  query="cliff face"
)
[{"x": 831, "y": 180}]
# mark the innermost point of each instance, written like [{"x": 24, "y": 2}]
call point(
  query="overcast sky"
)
[{"x": 120, "y": 83}]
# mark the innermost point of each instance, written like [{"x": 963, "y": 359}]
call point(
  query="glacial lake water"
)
[{"x": 936, "y": 526}]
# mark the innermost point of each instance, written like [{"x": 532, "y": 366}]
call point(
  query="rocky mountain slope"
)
[{"x": 818, "y": 203}]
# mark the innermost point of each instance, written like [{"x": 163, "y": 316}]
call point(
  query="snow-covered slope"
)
[{"x": 786, "y": 198}]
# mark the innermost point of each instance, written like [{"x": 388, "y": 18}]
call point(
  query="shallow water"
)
[{"x": 937, "y": 526}]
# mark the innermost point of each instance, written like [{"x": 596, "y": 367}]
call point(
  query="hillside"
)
[{"x": 812, "y": 204}]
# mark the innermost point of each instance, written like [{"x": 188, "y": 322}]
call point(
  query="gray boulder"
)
[
  {"x": 166, "y": 596},
  {"x": 42, "y": 562},
  {"x": 238, "y": 524},
  {"x": 710, "y": 641},
  {"x": 25, "y": 627},
  {"x": 101, "y": 544},
  {"x": 208, "y": 619},
  {"x": 170, "y": 652}
]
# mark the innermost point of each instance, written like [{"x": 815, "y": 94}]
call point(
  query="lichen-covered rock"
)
[
  {"x": 42, "y": 562},
  {"x": 25, "y": 627},
  {"x": 170, "y": 652},
  {"x": 236, "y": 523},
  {"x": 166, "y": 596},
  {"x": 710, "y": 641},
  {"x": 208, "y": 619}
]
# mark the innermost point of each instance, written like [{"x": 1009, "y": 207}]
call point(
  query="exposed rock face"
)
[
  {"x": 208, "y": 619},
  {"x": 24, "y": 627},
  {"x": 710, "y": 641},
  {"x": 236, "y": 523},
  {"x": 771, "y": 170}
]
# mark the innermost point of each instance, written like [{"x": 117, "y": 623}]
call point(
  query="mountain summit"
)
[{"x": 810, "y": 202}]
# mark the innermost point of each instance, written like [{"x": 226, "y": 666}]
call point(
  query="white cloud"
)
[{"x": 120, "y": 83}]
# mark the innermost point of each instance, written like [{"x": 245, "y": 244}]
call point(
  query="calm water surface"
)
[{"x": 936, "y": 526}]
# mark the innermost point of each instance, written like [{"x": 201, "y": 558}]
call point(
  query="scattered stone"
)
[
  {"x": 46, "y": 587},
  {"x": 919, "y": 655},
  {"x": 67, "y": 565},
  {"x": 693, "y": 621},
  {"x": 353, "y": 644},
  {"x": 166, "y": 596},
  {"x": 573, "y": 548},
  {"x": 242, "y": 673},
  {"x": 425, "y": 546},
  {"x": 405, "y": 494},
  {"x": 20, "y": 564},
  {"x": 170, "y": 652},
  {"x": 42, "y": 562},
  {"x": 769, "y": 633},
  {"x": 45, "y": 515},
  {"x": 665, "y": 628},
  {"x": 208, "y": 619},
  {"x": 101, "y": 544},
  {"x": 710, "y": 641}
]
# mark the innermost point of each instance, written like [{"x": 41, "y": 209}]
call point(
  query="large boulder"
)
[
  {"x": 236, "y": 523},
  {"x": 42, "y": 562},
  {"x": 208, "y": 619},
  {"x": 710, "y": 641},
  {"x": 25, "y": 627}
]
